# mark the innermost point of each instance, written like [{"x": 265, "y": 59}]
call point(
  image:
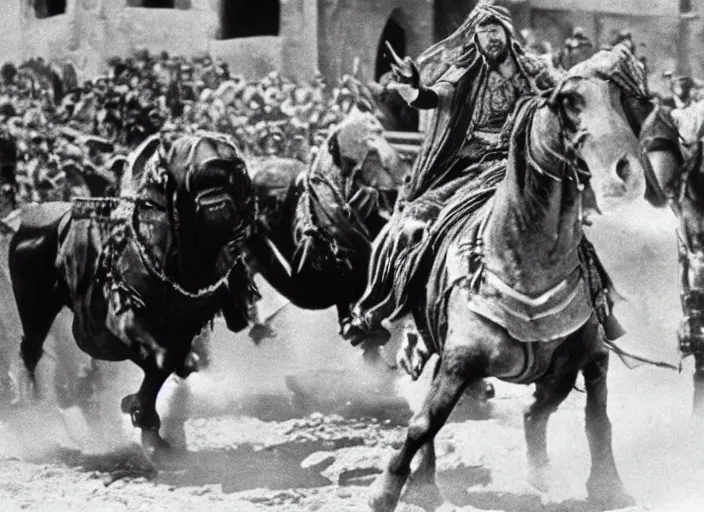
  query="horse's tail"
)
[{"x": 32, "y": 262}]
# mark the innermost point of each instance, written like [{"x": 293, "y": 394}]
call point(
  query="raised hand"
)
[{"x": 405, "y": 70}]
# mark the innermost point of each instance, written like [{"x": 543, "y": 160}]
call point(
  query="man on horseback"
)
[{"x": 473, "y": 79}]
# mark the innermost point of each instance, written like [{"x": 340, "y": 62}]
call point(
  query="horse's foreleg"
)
[
  {"x": 446, "y": 389},
  {"x": 142, "y": 409},
  {"x": 422, "y": 489},
  {"x": 547, "y": 398},
  {"x": 604, "y": 484}
]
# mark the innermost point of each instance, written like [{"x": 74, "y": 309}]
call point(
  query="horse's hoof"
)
[
  {"x": 489, "y": 392},
  {"x": 128, "y": 404},
  {"x": 423, "y": 494},
  {"x": 190, "y": 365},
  {"x": 609, "y": 495},
  {"x": 158, "y": 451},
  {"x": 260, "y": 332},
  {"x": 539, "y": 478},
  {"x": 385, "y": 492},
  {"x": 356, "y": 335},
  {"x": 23, "y": 388}
]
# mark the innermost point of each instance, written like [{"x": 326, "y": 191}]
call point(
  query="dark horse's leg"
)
[
  {"x": 604, "y": 484},
  {"x": 548, "y": 396},
  {"x": 35, "y": 284},
  {"x": 448, "y": 385},
  {"x": 141, "y": 407},
  {"x": 157, "y": 364}
]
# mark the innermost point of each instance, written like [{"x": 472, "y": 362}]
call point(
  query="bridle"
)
[
  {"x": 125, "y": 219},
  {"x": 571, "y": 138}
]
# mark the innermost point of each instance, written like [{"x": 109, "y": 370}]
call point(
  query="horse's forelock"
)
[{"x": 618, "y": 65}]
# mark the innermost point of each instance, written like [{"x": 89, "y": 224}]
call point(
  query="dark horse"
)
[
  {"x": 144, "y": 272},
  {"x": 512, "y": 283},
  {"x": 317, "y": 225},
  {"x": 678, "y": 180}
]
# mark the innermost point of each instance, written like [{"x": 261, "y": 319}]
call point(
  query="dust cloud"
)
[{"x": 658, "y": 448}]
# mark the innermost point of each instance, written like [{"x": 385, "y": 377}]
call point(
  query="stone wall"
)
[
  {"x": 654, "y": 23},
  {"x": 658, "y": 35},
  {"x": 349, "y": 29},
  {"x": 90, "y": 31}
]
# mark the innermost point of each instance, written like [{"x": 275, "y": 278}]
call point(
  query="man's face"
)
[{"x": 492, "y": 40}]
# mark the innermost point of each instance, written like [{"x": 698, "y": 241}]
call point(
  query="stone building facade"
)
[
  {"x": 253, "y": 36},
  {"x": 302, "y": 36},
  {"x": 669, "y": 32}
]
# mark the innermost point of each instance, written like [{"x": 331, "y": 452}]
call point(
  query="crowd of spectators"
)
[
  {"x": 87, "y": 125},
  {"x": 65, "y": 131}
]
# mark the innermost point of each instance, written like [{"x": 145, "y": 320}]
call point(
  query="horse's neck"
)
[
  {"x": 324, "y": 167},
  {"x": 533, "y": 233}
]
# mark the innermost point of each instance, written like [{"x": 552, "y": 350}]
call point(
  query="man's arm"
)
[
  {"x": 420, "y": 98},
  {"x": 408, "y": 83}
]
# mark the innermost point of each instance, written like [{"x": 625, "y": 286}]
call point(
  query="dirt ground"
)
[{"x": 254, "y": 445}]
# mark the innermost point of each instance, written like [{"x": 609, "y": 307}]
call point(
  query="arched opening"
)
[
  {"x": 48, "y": 8},
  {"x": 159, "y": 4},
  {"x": 396, "y": 114},
  {"x": 248, "y": 18},
  {"x": 395, "y": 33}
]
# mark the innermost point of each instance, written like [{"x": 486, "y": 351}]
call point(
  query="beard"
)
[{"x": 496, "y": 54}]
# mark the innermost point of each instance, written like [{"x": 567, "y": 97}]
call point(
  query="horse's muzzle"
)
[{"x": 217, "y": 217}]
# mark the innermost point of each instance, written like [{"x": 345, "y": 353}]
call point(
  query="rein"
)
[{"x": 568, "y": 156}]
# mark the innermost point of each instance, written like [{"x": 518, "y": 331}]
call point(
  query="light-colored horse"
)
[{"x": 524, "y": 311}]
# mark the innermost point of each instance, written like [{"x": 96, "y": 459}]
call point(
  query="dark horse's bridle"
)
[{"x": 125, "y": 218}]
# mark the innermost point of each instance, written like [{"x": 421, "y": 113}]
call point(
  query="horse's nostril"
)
[{"x": 623, "y": 169}]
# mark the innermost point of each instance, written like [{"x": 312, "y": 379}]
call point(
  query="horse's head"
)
[
  {"x": 201, "y": 182},
  {"x": 358, "y": 147},
  {"x": 590, "y": 103}
]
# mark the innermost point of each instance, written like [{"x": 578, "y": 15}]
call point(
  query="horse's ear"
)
[
  {"x": 165, "y": 144},
  {"x": 334, "y": 150}
]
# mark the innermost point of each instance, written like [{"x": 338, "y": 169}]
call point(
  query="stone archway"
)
[{"x": 395, "y": 33}]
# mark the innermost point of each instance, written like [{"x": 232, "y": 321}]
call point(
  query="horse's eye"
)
[{"x": 572, "y": 101}]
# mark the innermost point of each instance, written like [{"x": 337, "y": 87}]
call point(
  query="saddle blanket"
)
[{"x": 553, "y": 315}]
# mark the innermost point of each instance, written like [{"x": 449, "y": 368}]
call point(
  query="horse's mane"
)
[
  {"x": 618, "y": 65},
  {"x": 534, "y": 135},
  {"x": 136, "y": 165},
  {"x": 144, "y": 160}
]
